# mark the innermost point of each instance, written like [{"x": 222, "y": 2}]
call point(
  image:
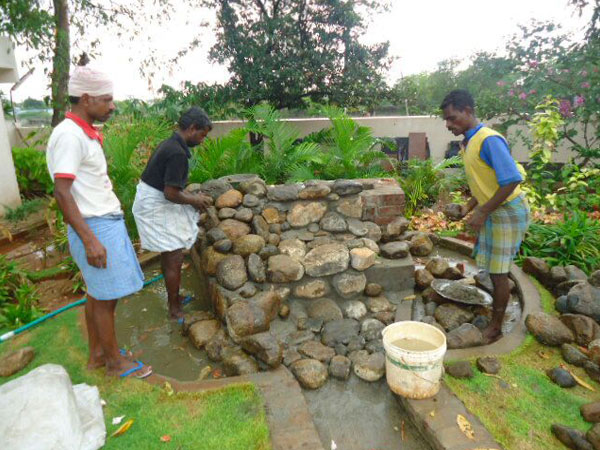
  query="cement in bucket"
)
[{"x": 414, "y": 373}]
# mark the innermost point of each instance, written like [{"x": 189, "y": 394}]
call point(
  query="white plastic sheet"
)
[{"x": 43, "y": 410}]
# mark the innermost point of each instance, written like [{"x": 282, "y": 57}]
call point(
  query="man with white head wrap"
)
[{"x": 98, "y": 239}]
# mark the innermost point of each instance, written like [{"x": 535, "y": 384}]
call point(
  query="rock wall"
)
[{"x": 306, "y": 250}]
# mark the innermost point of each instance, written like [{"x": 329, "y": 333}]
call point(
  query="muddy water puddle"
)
[{"x": 143, "y": 328}]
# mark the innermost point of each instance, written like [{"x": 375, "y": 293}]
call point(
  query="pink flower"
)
[
  {"x": 511, "y": 93},
  {"x": 533, "y": 91},
  {"x": 578, "y": 100},
  {"x": 501, "y": 83},
  {"x": 586, "y": 85},
  {"x": 522, "y": 95},
  {"x": 565, "y": 108},
  {"x": 566, "y": 70},
  {"x": 584, "y": 73},
  {"x": 533, "y": 64}
]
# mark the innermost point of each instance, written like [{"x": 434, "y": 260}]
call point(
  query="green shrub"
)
[
  {"x": 32, "y": 173},
  {"x": 129, "y": 142},
  {"x": 575, "y": 240},
  {"x": 27, "y": 208},
  {"x": 423, "y": 181},
  {"x": 18, "y": 298}
]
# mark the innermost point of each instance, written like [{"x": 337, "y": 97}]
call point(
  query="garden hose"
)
[{"x": 10, "y": 334}]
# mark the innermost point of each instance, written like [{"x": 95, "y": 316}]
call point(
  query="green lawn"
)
[
  {"x": 229, "y": 418},
  {"x": 519, "y": 408}
]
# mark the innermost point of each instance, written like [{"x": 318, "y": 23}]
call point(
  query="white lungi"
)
[{"x": 163, "y": 226}]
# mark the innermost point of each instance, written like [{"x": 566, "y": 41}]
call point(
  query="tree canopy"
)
[{"x": 285, "y": 51}]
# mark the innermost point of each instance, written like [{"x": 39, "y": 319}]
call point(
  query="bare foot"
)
[
  {"x": 97, "y": 361},
  {"x": 491, "y": 334}
]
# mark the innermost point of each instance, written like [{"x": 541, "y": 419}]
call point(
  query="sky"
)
[{"x": 421, "y": 33}]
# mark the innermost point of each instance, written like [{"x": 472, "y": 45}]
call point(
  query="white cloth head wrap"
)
[{"x": 85, "y": 80}]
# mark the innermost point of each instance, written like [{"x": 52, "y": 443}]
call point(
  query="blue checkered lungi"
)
[
  {"x": 501, "y": 235},
  {"x": 123, "y": 275}
]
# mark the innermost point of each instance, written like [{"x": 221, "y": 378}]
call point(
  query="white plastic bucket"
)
[{"x": 414, "y": 374}]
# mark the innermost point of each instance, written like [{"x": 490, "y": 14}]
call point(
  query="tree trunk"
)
[{"x": 60, "y": 61}]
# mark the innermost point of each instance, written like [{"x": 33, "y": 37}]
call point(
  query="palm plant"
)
[
  {"x": 129, "y": 143},
  {"x": 349, "y": 150},
  {"x": 225, "y": 155},
  {"x": 283, "y": 159},
  {"x": 423, "y": 181}
]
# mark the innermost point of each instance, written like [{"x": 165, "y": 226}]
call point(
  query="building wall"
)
[
  {"x": 9, "y": 189},
  {"x": 438, "y": 136}
]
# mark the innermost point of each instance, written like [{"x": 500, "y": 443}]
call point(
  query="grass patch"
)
[
  {"x": 519, "y": 408},
  {"x": 229, "y": 418}
]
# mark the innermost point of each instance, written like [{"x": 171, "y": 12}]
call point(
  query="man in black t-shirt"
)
[{"x": 165, "y": 214}]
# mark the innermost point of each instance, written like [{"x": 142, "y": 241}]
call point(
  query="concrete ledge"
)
[
  {"x": 392, "y": 274},
  {"x": 435, "y": 418},
  {"x": 290, "y": 423}
]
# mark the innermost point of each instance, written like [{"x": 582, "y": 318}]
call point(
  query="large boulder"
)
[
  {"x": 362, "y": 258},
  {"x": 202, "y": 332},
  {"x": 302, "y": 214},
  {"x": 437, "y": 266},
  {"x": 324, "y": 308},
  {"x": 326, "y": 260},
  {"x": 379, "y": 304},
  {"x": 248, "y": 317},
  {"x": 284, "y": 269},
  {"x": 236, "y": 362},
  {"x": 260, "y": 227},
  {"x": 347, "y": 187},
  {"x": 594, "y": 279},
  {"x": 350, "y": 207},
  {"x": 314, "y": 191},
  {"x": 210, "y": 260},
  {"x": 316, "y": 350},
  {"x": 395, "y": 250},
  {"x": 421, "y": 245},
  {"x": 229, "y": 199},
  {"x": 339, "y": 367},
  {"x": 283, "y": 192},
  {"x": 584, "y": 299},
  {"x": 354, "y": 309},
  {"x": 451, "y": 316},
  {"x": 466, "y": 335},
  {"x": 294, "y": 248},
  {"x": 371, "y": 329},
  {"x": 584, "y": 328},
  {"x": 339, "y": 332},
  {"x": 548, "y": 330},
  {"x": 333, "y": 222},
  {"x": 248, "y": 244},
  {"x": 369, "y": 367},
  {"x": 15, "y": 361},
  {"x": 538, "y": 268},
  {"x": 311, "y": 374},
  {"x": 312, "y": 289},
  {"x": 231, "y": 272},
  {"x": 234, "y": 229},
  {"x": 265, "y": 347},
  {"x": 349, "y": 284},
  {"x": 256, "y": 268},
  {"x": 571, "y": 437},
  {"x": 423, "y": 278},
  {"x": 393, "y": 230}
]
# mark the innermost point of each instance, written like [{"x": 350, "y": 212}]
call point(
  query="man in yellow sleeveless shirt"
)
[{"x": 501, "y": 213}]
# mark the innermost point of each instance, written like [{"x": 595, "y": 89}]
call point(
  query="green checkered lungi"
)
[{"x": 501, "y": 235}]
